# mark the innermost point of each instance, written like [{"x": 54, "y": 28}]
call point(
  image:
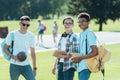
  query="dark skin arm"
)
[
  {"x": 93, "y": 53},
  {"x": 64, "y": 56}
]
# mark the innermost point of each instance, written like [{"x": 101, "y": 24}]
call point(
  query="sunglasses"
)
[
  {"x": 25, "y": 24},
  {"x": 67, "y": 23},
  {"x": 82, "y": 21}
]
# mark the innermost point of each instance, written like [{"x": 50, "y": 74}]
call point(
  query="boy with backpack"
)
[
  {"x": 23, "y": 41},
  {"x": 87, "y": 46}
]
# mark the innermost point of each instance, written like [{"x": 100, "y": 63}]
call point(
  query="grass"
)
[
  {"x": 13, "y": 25},
  {"x": 45, "y": 62}
]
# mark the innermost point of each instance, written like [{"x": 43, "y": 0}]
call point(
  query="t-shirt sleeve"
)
[
  {"x": 91, "y": 38},
  {"x": 8, "y": 39},
  {"x": 32, "y": 44}
]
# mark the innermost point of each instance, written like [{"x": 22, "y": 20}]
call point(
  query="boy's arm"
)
[
  {"x": 33, "y": 56},
  {"x": 54, "y": 67}
]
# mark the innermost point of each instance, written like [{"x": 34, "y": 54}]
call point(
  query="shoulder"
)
[
  {"x": 74, "y": 37},
  {"x": 91, "y": 34},
  {"x": 15, "y": 31},
  {"x": 30, "y": 33},
  {"x": 12, "y": 33},
  {"x": 91, "y": 37}
]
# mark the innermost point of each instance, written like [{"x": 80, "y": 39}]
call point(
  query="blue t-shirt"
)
[{"x": 91, "y": 40}]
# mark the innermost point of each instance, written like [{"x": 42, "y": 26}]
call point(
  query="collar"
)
[
  {"x": 66, "y": 34},
  {"x": 86, "y": 31}
]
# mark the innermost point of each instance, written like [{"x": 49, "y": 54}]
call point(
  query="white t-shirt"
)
[
  {"x": 55, "y": 28},
  {"x": 40, "y": 26},
  {"x": 22, "y": 42},
  {"x": 63, "y": 46}
]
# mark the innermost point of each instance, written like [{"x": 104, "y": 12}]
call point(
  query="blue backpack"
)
[{"x": 6, "y": 56}]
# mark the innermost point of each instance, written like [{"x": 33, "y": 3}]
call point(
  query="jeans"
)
[
  {"x": 65, "y": 75},
  {"x": 84, "y": 74},
  {"x": 25, "y": 71}
]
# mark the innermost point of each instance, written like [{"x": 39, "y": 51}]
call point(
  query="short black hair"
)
[
  {"x": 84, "y": 15},
  {"x": 68, "y": 18},
  {"x": 26, "y": 18}
]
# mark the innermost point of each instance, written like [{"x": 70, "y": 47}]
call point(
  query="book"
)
[
  {"x": 75, "y": 55},
  {"x": 59, "y": 52}
]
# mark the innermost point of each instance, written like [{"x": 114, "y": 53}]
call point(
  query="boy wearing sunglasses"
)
[{"x": 23, "y": 41}]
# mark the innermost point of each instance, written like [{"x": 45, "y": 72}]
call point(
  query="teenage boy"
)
[
  {"x": 23, "y": 41},
  {"x": 65, "y": 66},
  {"x": 87, "y": 46}
]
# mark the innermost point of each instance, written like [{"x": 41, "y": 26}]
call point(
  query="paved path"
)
[{"x": 103, "y": 37}]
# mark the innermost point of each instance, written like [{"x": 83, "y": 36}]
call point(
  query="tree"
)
[
  {"x": 101, "y": 10},
  {"x": 56, "y": 7},
  {"x": 40, "y": 7},
  {"x": 13, "y": 9}
]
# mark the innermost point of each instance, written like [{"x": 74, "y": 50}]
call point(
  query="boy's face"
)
[
  {"x": 68, "y": 24},
  {"x": 24, "y": 25},
  {"x": 83, "y": 23}
]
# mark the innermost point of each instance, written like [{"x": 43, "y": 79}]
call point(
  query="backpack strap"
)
[
  {"x": 86, "y": 45},
  {"x": 103, "y": 69},
  {"x": 12, "y": 43}
]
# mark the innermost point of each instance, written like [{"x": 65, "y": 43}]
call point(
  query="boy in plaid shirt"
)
[{"x": 67, "y": 43}]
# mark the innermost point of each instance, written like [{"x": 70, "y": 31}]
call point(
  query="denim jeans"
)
[
  {"x": 84, "y": 75},
  {"x": 66, "y": 75},
  {"x": 25, "y": 71}
]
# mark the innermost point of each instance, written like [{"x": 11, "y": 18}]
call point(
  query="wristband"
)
[{"x": 34, "y": 68}]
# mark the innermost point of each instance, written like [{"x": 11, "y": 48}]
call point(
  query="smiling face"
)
[
  {"x": 68, "y": 24},
  {"x": 83, "y": 20},
  {"x": 24, "y": 25},
  {"x": 83, "y": 23}
]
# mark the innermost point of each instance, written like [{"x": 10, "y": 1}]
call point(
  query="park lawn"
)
[
  {"x": 13, "y": 25},
  {"x": 45, "y": 62}
]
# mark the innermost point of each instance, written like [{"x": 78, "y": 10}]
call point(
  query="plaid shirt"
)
[{"x": 71, "y": 47}]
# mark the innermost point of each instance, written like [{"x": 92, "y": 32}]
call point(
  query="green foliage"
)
[
  {"x": 40, "y": 7},
  {"x": 57, "y": 7},
  {"x": 101, "y": 10},
  {"x": 10, "y": 8},
  {"x": 14, "y": 9}
]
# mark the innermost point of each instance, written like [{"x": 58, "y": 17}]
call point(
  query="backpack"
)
[
  {"x": 96, "y": 63},
  {"x": 44, "y": 27},
  {"x": 3, "y": 43}
]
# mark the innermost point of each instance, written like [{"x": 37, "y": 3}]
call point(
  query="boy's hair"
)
[
  {"x": 68, "y": 18},
  {"x": 84, "y": 15},
  {"x": 26, "y": 18}
]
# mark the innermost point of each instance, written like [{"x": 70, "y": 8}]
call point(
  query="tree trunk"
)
[
  {"x": 58, "y": 14},
  {"x": 100, "y": 23},
  {"x": 53, "y": 16}
]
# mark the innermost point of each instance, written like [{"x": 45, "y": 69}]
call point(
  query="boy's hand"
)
[{"x": 76, "y": 59}]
